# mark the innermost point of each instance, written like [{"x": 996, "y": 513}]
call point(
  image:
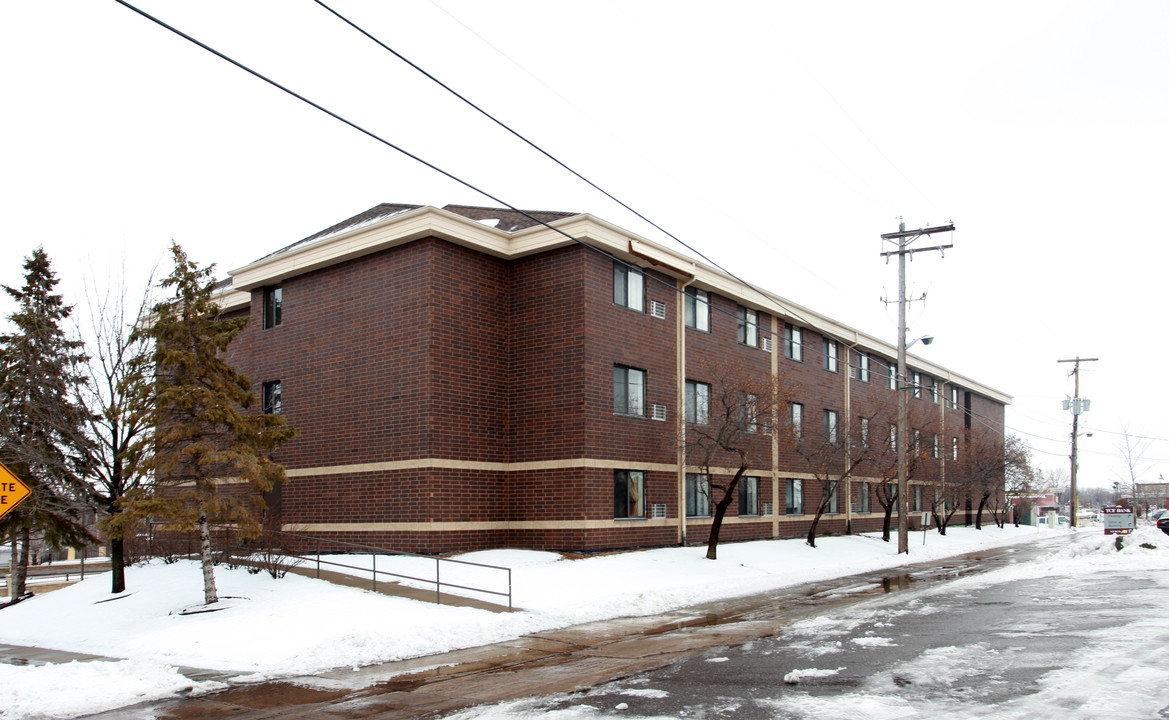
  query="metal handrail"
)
[{"x": 374, "y": 551}]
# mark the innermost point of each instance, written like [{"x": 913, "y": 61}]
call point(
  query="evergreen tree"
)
[
  {"x": 202, "y": 432},
  {"x": 42, "y": 437}
]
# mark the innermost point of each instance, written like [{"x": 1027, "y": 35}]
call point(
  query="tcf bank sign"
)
[
  {"x": 12, "y": 491},
  {"x": 1118, "y": 520}
]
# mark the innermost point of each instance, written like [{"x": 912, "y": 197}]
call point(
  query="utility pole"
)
[
  {"x": 1077, "y": 406},
  {"x": 904, "y": 239}
]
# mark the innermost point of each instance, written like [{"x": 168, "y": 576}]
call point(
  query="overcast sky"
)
[{"x": 779, "y": 139}]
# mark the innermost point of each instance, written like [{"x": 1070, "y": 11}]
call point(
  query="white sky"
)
[
  {"x": 340, "y": 627},
  {"x": 780, "y": 139}
]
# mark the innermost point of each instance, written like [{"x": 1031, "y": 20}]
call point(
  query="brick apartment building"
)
[{"x": 465, "y": 378}]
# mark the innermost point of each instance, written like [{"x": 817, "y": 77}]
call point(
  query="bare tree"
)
[
  {"x": 1132, "y": 450},
  {"x": 987, "y": 464},
  {"x": 831, "y": 459},
  {"x": 729, "y": 421},
  {"x": 117, "y": 397},
  {"x": 875, "y": 439}
]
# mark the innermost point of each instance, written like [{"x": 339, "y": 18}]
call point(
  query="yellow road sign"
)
[{"x": 12, "y": 491}]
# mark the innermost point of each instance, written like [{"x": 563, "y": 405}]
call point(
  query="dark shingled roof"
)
[{"x": 509, "y": 220}]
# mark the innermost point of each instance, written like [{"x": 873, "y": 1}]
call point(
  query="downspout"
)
[
  {"x": 680, "y": 399},
  {"x": 775, "y": 493}
]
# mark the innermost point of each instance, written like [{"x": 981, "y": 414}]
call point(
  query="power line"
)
[
  {"x": 260, "y": 76},
  {"x": 551, "y": 157}
]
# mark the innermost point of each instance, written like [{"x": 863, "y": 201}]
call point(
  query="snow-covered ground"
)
[{"x": 296, "y": 625}]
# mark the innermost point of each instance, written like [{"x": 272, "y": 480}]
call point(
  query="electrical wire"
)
[
  {"x": 260, "y": 76},
  {"x": 554, "y": 159},
  {"x": 804, "y": 347}
]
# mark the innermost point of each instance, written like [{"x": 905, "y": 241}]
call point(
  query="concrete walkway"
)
[{"x": 557, "y": 661}]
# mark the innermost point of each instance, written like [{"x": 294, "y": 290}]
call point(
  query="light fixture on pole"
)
[
  {"x": 903, "y": 239},
  {"x": 1077, "y": 405}
]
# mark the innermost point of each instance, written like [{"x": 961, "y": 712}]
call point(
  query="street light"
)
[{"x": 902, "y": 421}]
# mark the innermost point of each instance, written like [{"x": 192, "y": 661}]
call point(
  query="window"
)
[
  {"x": 628, "y": 287},
  {"x": 272, "y": 397},
  {"x": 864, "y": 502},
  {"x": 935, "y": 391},
  {"x": 793, "y": 343},
  {"x": 697, "y": 309},
  {"x": 892, "y": 374},
  {"x": 628, "y": 391},
  {"x": 891, "y": 496},
  {"x": 916, "y": 384},
  {"x": 795, "y": 496},
  {"x": 697, "y": 403},
  {"x": 796, "y": 421},
  {"x": 893, "y": 438},
  {"x": 833, "y": 506},
  {"x": 937, "y": 451},
  {"x": 697, "y": 495},
  {"x": 830, "y": 427},
  {"x": 748, "y": 327},
  {"x": 862, "y": 367},
  {"x": 830, "y": 350},
  {"x": 954, "y": 448},
  {"x": 273, "y": 306},
  {"x": 915, "y": 499},
  {"x": 917, "y": 441},
  {"x": 749, "y": 496},
  {"x": 628, "y": 494},
  {"x": 746, "y": 413},
  {"x": 864, "y": 423},
  {"x": 953, "y": 397}
]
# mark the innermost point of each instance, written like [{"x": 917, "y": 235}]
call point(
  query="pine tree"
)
[
  {"x": 203, "y": 434},
  {"x": 42, "y": 437}
]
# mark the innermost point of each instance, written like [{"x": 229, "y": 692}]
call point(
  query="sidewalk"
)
[{"x": 558, "y": 661}]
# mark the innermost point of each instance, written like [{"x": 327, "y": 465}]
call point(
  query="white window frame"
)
[
  {"x": 864, "y": 498},
  {"x": 628, "y": 391},
  {"x": 697, "y": 495},
  {"x": 831, "y": 427},
  {"x": 794, "y": 496},
  {"x": 748, "y": 326},
  {"x": 628, "y": 287},
  {"x": 796, "y": 419},
  {"x": 793, "y": 343},
  {"x": 831, "y": 349},
  {"x": 892, "y": 375},
  {"x": 749, "y": 496},
  {"x": 697, "y": 309},
  {"x": 862, "y": 366},
  {"x": 697, "y": 402}
]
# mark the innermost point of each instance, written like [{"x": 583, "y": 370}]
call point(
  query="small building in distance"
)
[{"x": 466, "y": 378}]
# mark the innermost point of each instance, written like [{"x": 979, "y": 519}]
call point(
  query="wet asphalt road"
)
[
  {"x": 669, "y": 656},
  {"x": 973, "y": 651}
]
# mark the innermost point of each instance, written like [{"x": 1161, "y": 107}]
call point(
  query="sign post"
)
[{"x": 1118, "y": 520}]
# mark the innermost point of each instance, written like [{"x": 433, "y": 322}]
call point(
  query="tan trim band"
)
[{"x": 518, "y": 525}]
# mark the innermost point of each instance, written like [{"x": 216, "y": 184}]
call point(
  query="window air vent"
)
[
  {"x": 766, "y": 343},
  {"x": 766, "y": 509},
  {"x": 658, "y": 510},
  {"x": 659, "y": 412},
  {"x": 657, "y": 309},
  {"x": 852, "y": 372}
]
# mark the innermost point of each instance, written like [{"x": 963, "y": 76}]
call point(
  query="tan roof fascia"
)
[{"x": 395, "y": 230}]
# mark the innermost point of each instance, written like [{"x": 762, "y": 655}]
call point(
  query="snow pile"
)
[{"x": 298, "y": 625}]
